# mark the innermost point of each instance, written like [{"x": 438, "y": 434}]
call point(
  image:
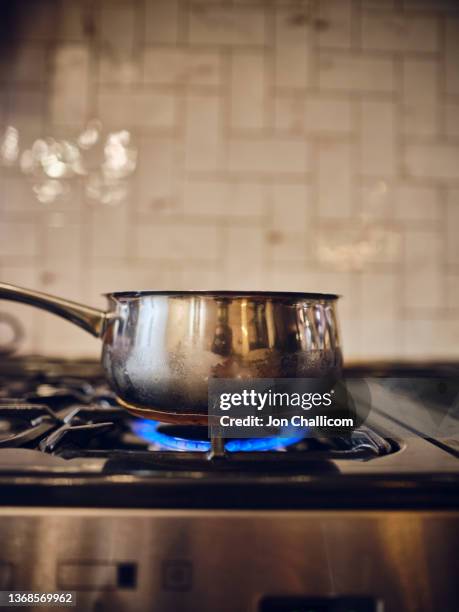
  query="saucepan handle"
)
[{"x": 90, "y": 319}]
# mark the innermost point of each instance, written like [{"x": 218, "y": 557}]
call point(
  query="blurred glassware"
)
[
  {"x": 103, "y": 162},
  {"x": 9, "y": 148}
]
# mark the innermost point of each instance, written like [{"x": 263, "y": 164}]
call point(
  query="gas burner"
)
[{"x": 169, "y": 437}]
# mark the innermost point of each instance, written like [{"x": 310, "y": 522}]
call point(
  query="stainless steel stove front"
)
[{"x": 228, "y": 561}]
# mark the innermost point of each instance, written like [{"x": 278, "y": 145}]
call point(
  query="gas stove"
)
[{"x": 134, "y": 514}]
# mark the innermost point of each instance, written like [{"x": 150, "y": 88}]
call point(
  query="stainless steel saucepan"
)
[{"x": 161, "y": 347}]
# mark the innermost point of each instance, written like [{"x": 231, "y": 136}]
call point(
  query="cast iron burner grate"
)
[{"x": 105, "y": 432}]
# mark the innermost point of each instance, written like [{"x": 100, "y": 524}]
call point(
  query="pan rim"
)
[{"x": 226, "y": 294}]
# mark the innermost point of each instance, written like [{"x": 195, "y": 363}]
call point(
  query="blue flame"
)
[{"x": 149, "y": 431}]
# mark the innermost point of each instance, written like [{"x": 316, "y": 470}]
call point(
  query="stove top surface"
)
[{"x": 65, "y": 441}]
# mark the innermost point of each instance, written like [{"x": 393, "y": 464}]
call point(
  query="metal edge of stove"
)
[{"x": 404, "y": 491}]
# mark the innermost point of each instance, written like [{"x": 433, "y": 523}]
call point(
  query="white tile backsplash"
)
[
  {"x": 109, "y": 235},
  {"x": 287, "y": 247},
  {"x": 423, "y": 282},
  {"x": 452, "y": 290},
  {"x": 206, "y": 198},
  {"x": 356, "y": 72},
  {"x": 378, "y": 325},
  {"x": 440, "y": 335},
  {"x": 420, "y": 97},
  {"x": 166, "y": 65},
  {"x": 27, "y": 66},
  {"x": 399, "y": 32},
  {"x": 18, "y": 239},
  {"x": 377, "y": 140},
  {"x": 328, "y": 115},
  {"x": 335, "y": 17},
  {"x": 379, "y": 288},
  {"x": 161, "y": 21},
  {"x": 281, "y": 145},
  {"x": 436, "y": 161},
  {"x": 17, "y": 196},
  {"x": 247, "y": 84},
  {"x": 122, "y": 108},
  {"x": 335, "y": 179},
  {"x": 203, "y": 133},
  {"x": 291, "y": 206},
  {"x": 156, "y": 184},
  {"x": 177, "y": 242},
  {"x": 379, "y": 338},
  {"x": 220, "y": 199},
  {"x": 225, "y": 25},
  {"x": 452, "y": 56},
  {"x": 289, "y": 115},
  {"x": 292, "y": 48},
  {"x": 56, "y": 332},
  {"x": 452, "y": 224},
  {"x": 417, "y": 203},
  {"x": 118, "y": 62},
  {"x": 62, "y": 239},
  {"x": 268, "y": 156},
  {"x": 451, "y": 119},
  {"x": 26, "y": 109},
  {"x": 69, "y": 84},
  {"x": 420, "y": 81},
  {"x": 118, "y": 26},
  {"x": 71, "y": 20},
  {"x": 244, "y": 258},
  {"x": 246, "y": 199}
]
